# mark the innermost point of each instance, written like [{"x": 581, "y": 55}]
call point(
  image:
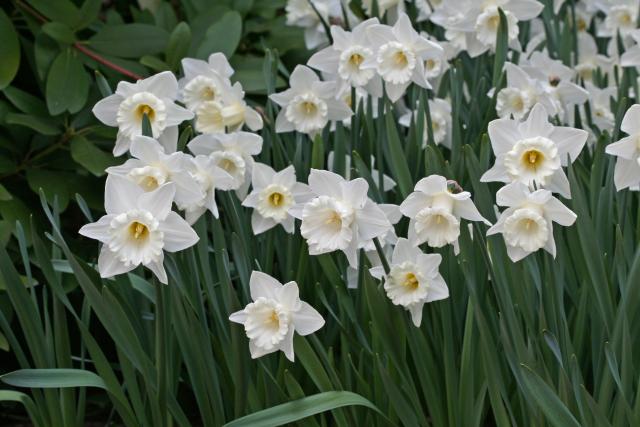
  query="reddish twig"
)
[
  {"x": 77, "y": 45},
  {"x": 91, "y": 54}
]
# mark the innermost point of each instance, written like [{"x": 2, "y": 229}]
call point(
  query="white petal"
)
[
  {"x": 169, "y": 139},
  {"x": 395, "y": 91},
  {"x": 631, "y": 121},
  {"x": 260, "y": 224},
  {"x": 106, "y": 110},
  {"x": 263, "y": 285},
  {"x": 625, "y": 148},
  {"x": 178, "y": 235},
  {"x": 262, "y": 175},
  {"x": 503, "y": 134},
  {"x": 537, "y": 124},
  {"x": 512, "y": 194},
  {"x": 438, "y": 289},
  {"x": 287, "y": 345},
  {"x": 467, "y": 210},
  {"x": 559, "y": 183},
  {"x": 404, "y": 251},
  {"x": 627, "y": 174},
  {"x": 289, "y": 295},
  {"x": 109, "y": 265},
  {"x": 326, "y": 183},
  {"x": 158, "y": 201},
  {"x": 414, "y": 203},
  {"x": 120, "y": 194},
  {"x": 416, "y": 313},
  {"x": 302, "y": 78},
  {"x": 177, "y": 114},
  {"x": 162, "y": 85},
  {"x": 433, "y": 184},
  {"x": 325, "y": 60},
  {"x": 98, "y": 230},
  {"x": 157, "y": 267},
  {"x": 556, "y": 211},
  {"x": 372, "y": 222},
  {"x": 146, "y": 149},
  {"x": 283, "y": 124},
  {"x": 238, "y": 316},
  {"x": 307, "y": 320},
  {"x": 498, "y": 173},
  {"x": 524, "y": 10},
  {"x": 569, "y": 141}
]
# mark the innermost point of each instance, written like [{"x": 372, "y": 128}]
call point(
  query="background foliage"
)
[{"x": 539, "y": 342}]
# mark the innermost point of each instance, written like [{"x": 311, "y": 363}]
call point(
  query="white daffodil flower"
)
[
  {"x": 440, "y": 110},
  {"x": 413, "y": 279},
  {"x": 527, "y": 223},
  {"x": 309, "y": 104},
  {"x": 435, "y": 209},
  {"x": 204, "y": 81},
  {"x": 589, "y": 60},
  {"x": 400, "y": 56},
  {"x": 473, "y": 25},
  {"x": 273, "y": 196},
  {"x": 631, "y": 57},
  {"x": 301, "y": 13},
  {"x": 138, "y": 227},
  {"x": 151, "y": 168},
  {"x": 600, "y": 100},
  {"x": 556, "y": 80},
  {"x": 233, "y": 153},
  {"x": 227, "y": 113},
  {"x": 208, "y": 177},
  {"x": 275, "y": 314},
  {"x": 344, "y": 58},
  {"x": 621, "y": 16},
  {"x": 154, "y": 96},
  {"x": 521, "y": 94},
  {"x": 340, "y": 217},
  {"x": 627, "y": 151},
  {"x": 534, "y": 151}
]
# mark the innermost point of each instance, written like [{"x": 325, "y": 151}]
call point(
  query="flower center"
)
[
  {"x": 273, "y": 321},
  {"x": 138, "y": 231},
  {"x": 149, "y": 183},
  {"x": 411, "y": 281},
  {"x": 493, "y": 22},
  {"x": 276, "y": 199},
  {"x": 400, "y": 59},
  {"x": 356, "y": 59},
  {"x": 208, "y": 93},
  {"x": 145, "y": 109},
  {"x": 582, "y": 24},
  {"x": 309, "y": 108},
  {"x": 532, "y": 159},
  {"x": 228, "y": 165},
  {"x": 334, "y": 219}
]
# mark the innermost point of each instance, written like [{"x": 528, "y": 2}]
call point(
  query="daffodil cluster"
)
[{"x": 153, "y": 198}]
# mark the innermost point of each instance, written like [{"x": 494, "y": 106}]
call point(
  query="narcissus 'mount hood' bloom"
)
[
  {"x": 627, "y": 151},
  {"x": 274, "y": 315},
  {"x": 340, "y": 217},
  {"x": 533, "y": 151},
  {"x": 413, "y": 279},
  {"x": 272, "y": 197},
  {"x": 138, "y": 227},
  {"x": 527, "y": 223},
  {"x": 154, "y": 96},
  {"x": 435, "y": 208},
  {"x": 309, "y": 104}
]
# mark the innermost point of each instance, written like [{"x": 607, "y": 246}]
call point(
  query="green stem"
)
[{"x": 161, "y": 369}]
